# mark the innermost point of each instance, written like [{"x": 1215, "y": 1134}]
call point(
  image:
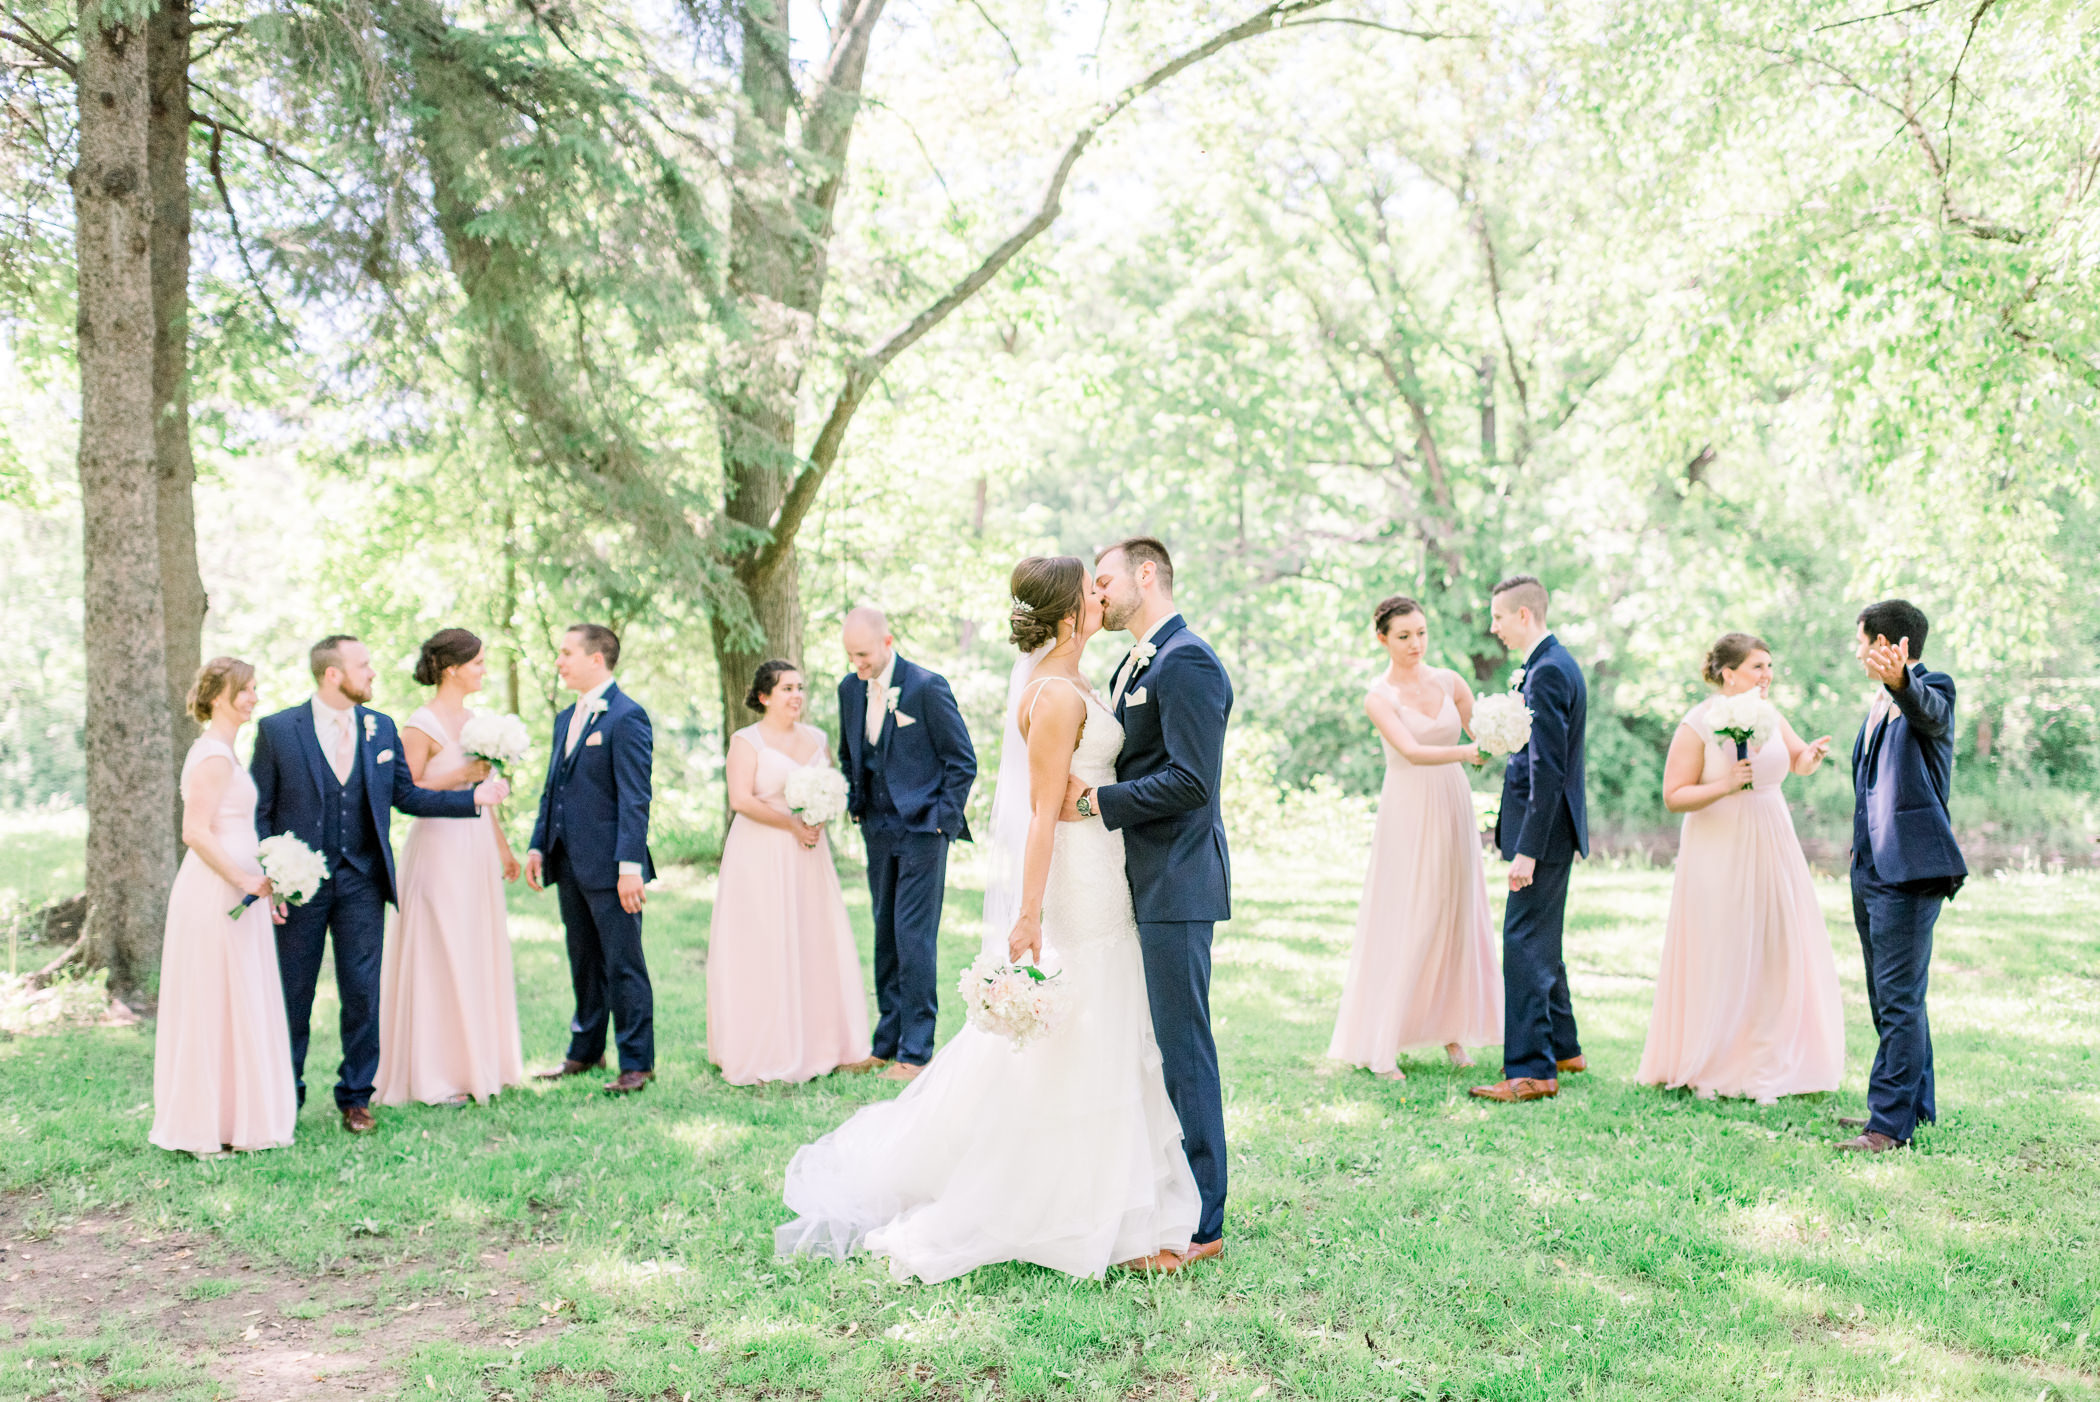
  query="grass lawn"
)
[{"x": 1385, "y": 1241}]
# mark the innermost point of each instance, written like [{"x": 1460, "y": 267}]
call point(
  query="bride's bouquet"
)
[
  {"x": 1746, "y": 718},
  {"x": 295, "y": 870},
  {"x": 816, "y": 793},
  {"x": 1501, "y": 723},
  {"x": 1016, "y": 1001},
  {"x": 501, "y": 740}
]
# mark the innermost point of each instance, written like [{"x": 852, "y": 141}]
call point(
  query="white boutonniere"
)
[
  {"x": 1516, "y": 680},
  {"x": 596, "y": 706},
  {"x": 371, "y": 728},
  {"x": 892, "y": 697},
  {"x": 1140, "y": 656}
]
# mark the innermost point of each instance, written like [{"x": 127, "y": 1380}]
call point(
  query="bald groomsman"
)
[{"x": 909, "y": 765}]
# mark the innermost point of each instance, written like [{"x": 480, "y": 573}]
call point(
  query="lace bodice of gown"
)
[
  {"x": 1768, "y": 766},
  {"x": 1088, "y": 899},
  {"x": 233, "y": 821}
]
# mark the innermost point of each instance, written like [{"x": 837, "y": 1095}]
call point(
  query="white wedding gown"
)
[{"x": 1066, "y": 1153}]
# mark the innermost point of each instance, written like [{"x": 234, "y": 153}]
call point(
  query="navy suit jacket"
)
[
  {"x": 928, "y": 764},
  {"x": 291, "y": 790},
  {"x": 1900, "y": 777},
  {"x": 595, "y": 806},
  {"x": 1165, "y": 799},
  {"x": 1544, "y": 815}
]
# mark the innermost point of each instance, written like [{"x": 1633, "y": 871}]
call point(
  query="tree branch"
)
[
  {"x": 218, "y": 178},
  {"x": 862, "y": 373},
  {"x": 1381, "y": 28},
  {"x": 42, "y": 48}
]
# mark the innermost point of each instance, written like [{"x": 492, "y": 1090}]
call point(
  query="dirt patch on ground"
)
[{"x": 262, "y": 1333}]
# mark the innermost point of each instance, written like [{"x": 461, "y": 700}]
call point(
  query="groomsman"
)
[
  {"x": 1542, "y": 827},
  {"x": 329, "y": 772},
  {"x": 909, "y": 765},
  {"x": 1905, "y": 863},
  {"x": 592, "y": 841}
]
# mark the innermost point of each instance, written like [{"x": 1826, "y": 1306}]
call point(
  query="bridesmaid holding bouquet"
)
[
  {"x": 448, "y": 1002},
  {"x": 1422, "y": 972},
  {"x": 1746, "y": 1003}
]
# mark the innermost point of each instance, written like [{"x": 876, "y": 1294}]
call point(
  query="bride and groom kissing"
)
[{"x": 1101, "y": 1143}]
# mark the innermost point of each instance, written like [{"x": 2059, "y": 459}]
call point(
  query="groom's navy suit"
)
[
  {"x": 594, "y": 819},
  {"x": 1905, "y": 862},
  {"x": 1543, "y": 817},
  {"x": 348, "y": 823},
  {"x": 1165, "y": 803},
  {"x": 907, "y": 792}
]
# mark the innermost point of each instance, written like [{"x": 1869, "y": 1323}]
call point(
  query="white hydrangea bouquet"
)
[
  {"x": 1016, "y": 1001},
  {"x": 501, "y": 740},
  {"x": 1746, "y": 718},
  {"x": 296, "y": 872},
  {"x": 1501, "y": 723},
  {"x": 816, "y": 793}
]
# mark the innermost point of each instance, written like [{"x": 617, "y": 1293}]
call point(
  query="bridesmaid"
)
[
  {"x": 1747, "y": 999},
  {"x": 1422, "y": 971},
  {"x": 448, "y": 1004},
  {"x": 785, "y": 1001},
  {"x": 222, "y": 1055}
]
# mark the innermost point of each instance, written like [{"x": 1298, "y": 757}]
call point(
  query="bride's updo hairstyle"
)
[
  {"x": 1399, "y": 606},
  {"x": 447, "y": 648},
  {"x": 1732, "y": 650},
  {"x": 1047, "y": 590}
]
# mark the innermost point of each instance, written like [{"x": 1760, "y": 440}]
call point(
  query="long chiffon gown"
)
[
  {"x": 1746, "y": 1003},
  {"x": 785, "y": 1000},
  {"x": 448, "y": 1001},
  {"x": 222, "y": 1057},
  {"x": 1422, "y": 972}
]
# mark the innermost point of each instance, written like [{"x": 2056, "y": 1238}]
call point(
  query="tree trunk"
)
[
  {"x": 183, "y": 603},
  {"x": 130, "y": 850}
]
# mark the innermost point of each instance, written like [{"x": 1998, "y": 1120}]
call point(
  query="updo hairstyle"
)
[
  {"x": 769, "y": 675},
  {"x": 1398, "y": 606},
  {"x": 1047, "y": 590},
  {"x": 445, "y": 649},
  {"x": 1732, "y": 650},
  {"x": 222, "y": 676}
]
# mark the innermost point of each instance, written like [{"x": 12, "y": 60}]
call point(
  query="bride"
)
[{"x": 1066, "y": 1152}]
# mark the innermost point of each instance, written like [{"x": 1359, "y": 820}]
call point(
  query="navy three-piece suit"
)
[
  {"x": 1165, "y": 802},
  {"x": 1905, "y": 863},
  {"x": 907, "y": 792},
  {"x": 348, "y": 823},
  {"x": 1544, "y": 817}
]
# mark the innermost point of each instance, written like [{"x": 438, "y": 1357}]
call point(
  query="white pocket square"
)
[
  {"x": 903, "y": 719},
  {"x": 1135, "y": 698},
  {"x": 596, "y": 737},
  {"x": 383, "y": 756}
]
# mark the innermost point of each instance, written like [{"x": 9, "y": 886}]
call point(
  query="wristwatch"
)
[{"x": 1085, "y": 804}]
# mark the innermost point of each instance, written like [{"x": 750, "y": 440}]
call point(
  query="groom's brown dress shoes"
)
[
  {"x": 901, "y": 1071},
  {"x": 1872, "y": 1142},
  {"x": 1202, "y": 1251},
  {"x": 1158, "y": 1263},
  {"x": 571, "y": 1068},
  {"x": 358, "y": 1120},
  {"x": 1518, "y": 1088},
  {"x": 1574, "y": 1065},
  {"x": 628, "y": 1082},
  {"x": 862, "y": 1067}
]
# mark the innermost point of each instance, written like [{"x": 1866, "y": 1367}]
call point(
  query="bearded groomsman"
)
[
  {"x": 909, "y": 765},
  {"x": 329, "y": 772},
  {"x": 592, "y": 841}
]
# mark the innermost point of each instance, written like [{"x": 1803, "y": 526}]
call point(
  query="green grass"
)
[{"x": 1385, "y": 1240}]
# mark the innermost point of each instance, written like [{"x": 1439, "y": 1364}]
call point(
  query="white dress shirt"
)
[
  {"x": 1128, "y": 670},
  {"x": 578, "y": 719},
  {"x": 337, "y": 732},
  {"x": 879, "y": 699}
]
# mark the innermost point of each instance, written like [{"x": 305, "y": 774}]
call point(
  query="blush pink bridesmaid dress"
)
[
  {"x": 785, "y": 1000},
  {"x": 1422, "y": 972},
  {"x": 1746, "y": 1002},
  {"x": 222, "y": 1056},
  {"x": 448, "y": 1001}
]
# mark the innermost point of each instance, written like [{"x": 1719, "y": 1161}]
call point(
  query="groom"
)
[
  {"x": 1542, "y": 826},
  {"x": 330, "y": 772},
  {"x": 1173, "y": 699},
  {"x": 1905, "y": 862}
]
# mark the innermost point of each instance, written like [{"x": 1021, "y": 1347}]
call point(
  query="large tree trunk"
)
[
  {"x": 130, "y": 850},
  {"x": 183, "y": 603}
]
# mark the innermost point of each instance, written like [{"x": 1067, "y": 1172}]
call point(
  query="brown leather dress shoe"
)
[
  {"x": 1574, "y": 1065},
  {"x": 902, "y": 1071},
  {"x": 571, "y": 1068},
  {"x": 1518, "y": 1088},
  {"x": 358, "y": 1120},
  {"x": 1202, "y": 1251},
  {"x": 863, "y": 1066},
  {"x": 628, "y": 1082},
  {"x": 1158, "y": 1263},
  {"x": 1872, "y": 1142}
]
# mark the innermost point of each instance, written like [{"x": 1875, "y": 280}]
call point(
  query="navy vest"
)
[
  {"x": 347, "y": 834},
  {"x": 881, "y": 812}
]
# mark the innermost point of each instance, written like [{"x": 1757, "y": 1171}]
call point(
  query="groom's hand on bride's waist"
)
[{"x": 1074, "y": 787}]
